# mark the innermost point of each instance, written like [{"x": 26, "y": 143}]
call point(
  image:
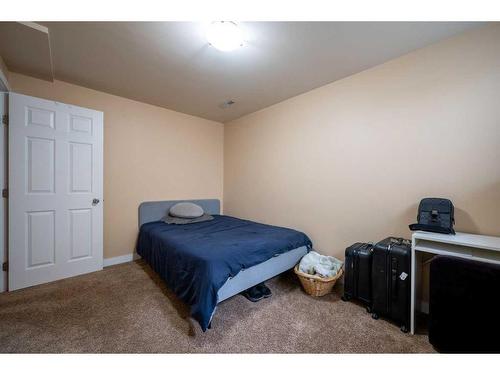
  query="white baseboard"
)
[{"x": 121, "y": 259}]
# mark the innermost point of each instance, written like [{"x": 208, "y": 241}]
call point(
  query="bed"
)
[{"x": 206, "y": 263}]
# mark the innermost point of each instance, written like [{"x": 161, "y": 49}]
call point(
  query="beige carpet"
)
[{"x": 126, "y": 308}]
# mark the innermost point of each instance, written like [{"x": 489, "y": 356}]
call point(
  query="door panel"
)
[
  {"x": 41, "y": 238},
  {"x": 40, "y": 164},
  {"x": 40, "y": 117},
  {"x": 81, "y": 233},
  {"x": 81, "y": 124},
  {"x": 80, "y": 155},
  {"x": 55, "y": 171}
]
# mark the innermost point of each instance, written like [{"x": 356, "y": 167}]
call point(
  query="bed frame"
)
[{"x": 154, "y": 211}]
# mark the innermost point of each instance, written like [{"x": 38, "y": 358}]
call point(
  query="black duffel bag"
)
[{"x": 435, "y": 215}]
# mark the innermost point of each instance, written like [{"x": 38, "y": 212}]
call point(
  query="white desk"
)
[{"x": 461, "y": 245}]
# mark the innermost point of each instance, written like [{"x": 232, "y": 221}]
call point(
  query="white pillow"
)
[{"x": 186, "y": 210}]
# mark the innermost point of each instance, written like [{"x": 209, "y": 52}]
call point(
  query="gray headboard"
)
[{"x": 154, "y": 211}]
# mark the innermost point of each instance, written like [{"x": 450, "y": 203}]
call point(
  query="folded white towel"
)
[{"x": 323, "y": 265}]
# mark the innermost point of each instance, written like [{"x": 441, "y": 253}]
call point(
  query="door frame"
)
[
  {"x": 4, "y": 109},
  {"x": 3, "y": 185}
]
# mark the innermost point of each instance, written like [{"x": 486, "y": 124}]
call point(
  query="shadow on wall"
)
[
  {"x": 464, "y": 220},
  {"x": 479, "y": 212},
  {"x": 409, "y": 216}
]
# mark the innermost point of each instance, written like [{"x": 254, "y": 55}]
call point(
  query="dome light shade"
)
[{"x": 224, "y": 35}]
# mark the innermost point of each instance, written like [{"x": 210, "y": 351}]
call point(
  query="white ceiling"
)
[{"x": 170, "y": 64}]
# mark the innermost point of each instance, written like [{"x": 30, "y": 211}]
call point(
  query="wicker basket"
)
[{"x": 315, "y": 285}]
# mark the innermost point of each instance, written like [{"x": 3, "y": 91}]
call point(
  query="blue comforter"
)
[{"x": 196, "y": 259}]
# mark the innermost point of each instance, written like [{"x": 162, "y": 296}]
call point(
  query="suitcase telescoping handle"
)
[
  {"x": 398, "y": 241},
  {"x": 394, "y": 277}
]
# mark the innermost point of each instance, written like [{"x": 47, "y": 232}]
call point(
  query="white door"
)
[{"x": 55, "y": 190}]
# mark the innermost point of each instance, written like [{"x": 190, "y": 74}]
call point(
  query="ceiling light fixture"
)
[{"x": 225, "y": 35}]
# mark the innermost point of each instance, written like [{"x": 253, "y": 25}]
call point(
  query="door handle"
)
[{"x": 95, "y": 202}]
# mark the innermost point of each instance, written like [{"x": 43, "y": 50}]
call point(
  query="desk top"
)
[{"x": 462, "y": 239}]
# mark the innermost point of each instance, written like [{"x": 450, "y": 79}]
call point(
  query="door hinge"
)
[
  {"x": 5, "y": 193},
  {"x": 5, "y": 119},
  {"x": 5, "y": 266}
]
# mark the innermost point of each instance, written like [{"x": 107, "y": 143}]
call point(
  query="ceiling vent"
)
[{"x": 227, "y": 104}]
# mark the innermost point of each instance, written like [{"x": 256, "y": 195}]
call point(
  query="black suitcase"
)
[
  {"x": 358, "y": 269},
  {"x": 463, "y": 306},
  {"x": 391, "y": 280}
]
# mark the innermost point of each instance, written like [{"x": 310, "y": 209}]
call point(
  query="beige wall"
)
[
  {"x": 350, "y": 161},
  {"x": 150, "y": 153},
  {"x": 346, "y": 162}
]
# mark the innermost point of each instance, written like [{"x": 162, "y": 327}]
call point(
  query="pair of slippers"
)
[{"x": 257, "y": 292}]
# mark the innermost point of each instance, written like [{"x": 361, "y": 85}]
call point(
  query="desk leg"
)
[
  {"x": 416, "y": 281},
  {"x": 412, "y": 305}
]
